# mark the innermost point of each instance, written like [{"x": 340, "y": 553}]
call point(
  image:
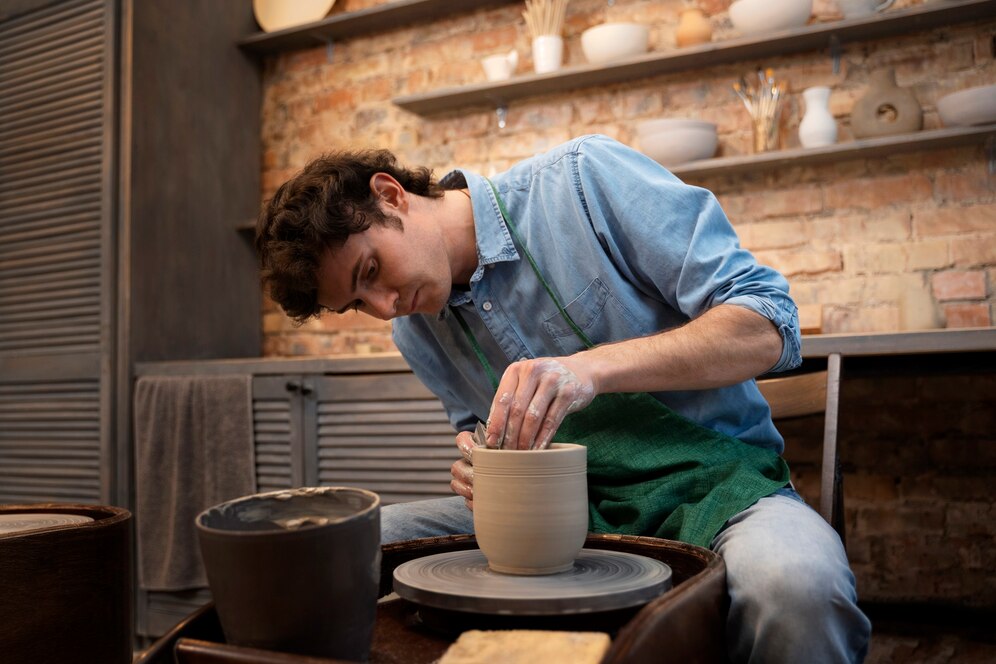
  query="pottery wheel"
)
[
  {"x": 15, "y": 523},
  {"x": 599, "y": 581}
]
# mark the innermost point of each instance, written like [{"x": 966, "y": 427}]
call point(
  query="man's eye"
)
[{"x": 371, "y": 270}]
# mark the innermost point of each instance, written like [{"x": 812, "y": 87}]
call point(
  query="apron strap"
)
[{"x": 476, "y": 346}]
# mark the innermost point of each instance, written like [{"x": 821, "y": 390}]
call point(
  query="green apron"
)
[{"x": 652, "y": 471}]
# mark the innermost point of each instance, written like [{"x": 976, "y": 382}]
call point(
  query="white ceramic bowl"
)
[
  {"x": 275, "y": 15},
  {"x": 973, "y": 106},
  {"x": 674, "y": 141},
  {"x": 614, "y": 41},
  {"x": 755, "y": 17}
]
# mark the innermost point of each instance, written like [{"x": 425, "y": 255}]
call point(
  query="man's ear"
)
[{"x": 389, "y": 191}]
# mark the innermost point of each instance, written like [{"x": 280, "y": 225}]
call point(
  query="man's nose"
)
[{"x": 384, "y": 304}]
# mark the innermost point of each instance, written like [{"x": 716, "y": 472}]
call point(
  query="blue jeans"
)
[{"x": 792, "y": 596}]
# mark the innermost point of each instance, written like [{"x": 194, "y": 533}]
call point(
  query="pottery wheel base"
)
[{"x": 600, "y": 581}]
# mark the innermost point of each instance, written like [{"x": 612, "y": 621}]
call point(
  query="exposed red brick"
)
[
  {"x": 959, "y": 285},
  {"x": 954, "y": 220},
  {"x": 967, "y": 315},
  {"x": 878, "y": 192}
]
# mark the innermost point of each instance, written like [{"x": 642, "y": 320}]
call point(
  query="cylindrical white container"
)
[
  {"x": 531, "y": 507},
  {"x": 548, "y": 53},
  {"x": 818, "y": 128}
]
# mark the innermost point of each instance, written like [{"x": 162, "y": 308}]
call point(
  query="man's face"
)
[{"x": 386, "y": 272}]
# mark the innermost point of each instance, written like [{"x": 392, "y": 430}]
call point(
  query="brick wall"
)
[
  {"x": 892, "y": 243},
  {"x": 920, "y": 501}
]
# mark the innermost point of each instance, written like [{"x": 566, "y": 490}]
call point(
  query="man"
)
[{"x": 572, "y": 284}]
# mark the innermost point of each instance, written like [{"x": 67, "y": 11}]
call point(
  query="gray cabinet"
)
[
  {"x": 56, "y": 249},
  {"x": 129, "y": 152},
  {"x": 382, "y": 432}
]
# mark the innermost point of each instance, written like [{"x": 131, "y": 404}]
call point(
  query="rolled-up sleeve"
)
[{"x": 677, "y": 243}]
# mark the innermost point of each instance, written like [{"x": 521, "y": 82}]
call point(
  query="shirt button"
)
[{"x": 486, "y": 306}]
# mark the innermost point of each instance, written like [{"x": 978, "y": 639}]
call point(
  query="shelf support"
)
[
  {"x": 835, "y": 52},
  {"x": 329, "y": 50},
  {"x": 991, "y": 154},
  {"x": 502, "y": 114}
]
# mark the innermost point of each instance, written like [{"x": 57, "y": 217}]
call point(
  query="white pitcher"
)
[
  {"x": 500, "y": 67},
  {"x": 818, "y": 127},
  {"x": 859, "y": 8}
]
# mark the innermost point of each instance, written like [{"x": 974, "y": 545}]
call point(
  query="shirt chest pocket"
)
[{"x": 600, "y": 316}]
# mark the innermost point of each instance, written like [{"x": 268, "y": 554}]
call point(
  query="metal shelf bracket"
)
[
  {"x": 835, "y": 52},
  {"x": 502, "y": 114}
]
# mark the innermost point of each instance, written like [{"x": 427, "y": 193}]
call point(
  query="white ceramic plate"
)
[{"x": 273, "y": 15}]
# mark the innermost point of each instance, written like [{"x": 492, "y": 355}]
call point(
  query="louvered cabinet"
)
[
  {"x": 382, "y": 432},
  {"x": 386, "y": 433},
  {"x": 56, "y": 253},
  {"x": 129, "y": 154}
]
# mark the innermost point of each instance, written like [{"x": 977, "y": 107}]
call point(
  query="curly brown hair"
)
[{"x": 319, "y": 208}]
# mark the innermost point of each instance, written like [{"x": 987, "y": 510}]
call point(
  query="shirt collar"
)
[{"x": 494, "y": 241}]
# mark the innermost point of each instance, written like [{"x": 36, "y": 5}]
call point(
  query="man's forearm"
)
[{"x": 726, "y": 345}]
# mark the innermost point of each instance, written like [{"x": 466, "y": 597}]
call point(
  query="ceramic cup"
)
[
  {"x": 296, "y": 570},
  {"x": 531, "y": 507},
  {"x": 500, "y": 67},
  {"x": 548, "y": 53}
]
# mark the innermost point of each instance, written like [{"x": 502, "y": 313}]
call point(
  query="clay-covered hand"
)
[
  {"x": 533, "y": 398},
  {"x": 461, "y": 470}
]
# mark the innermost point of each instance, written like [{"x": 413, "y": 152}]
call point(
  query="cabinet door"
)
[
  {"x": 278, "y": 432},
  {"x": 382, "y": 432},
  {"x": 56, "y": 253}
]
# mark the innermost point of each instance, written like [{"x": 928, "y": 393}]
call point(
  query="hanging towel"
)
[{"x": 193, "y": 449}]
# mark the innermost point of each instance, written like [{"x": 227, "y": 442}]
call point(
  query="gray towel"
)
[{"x": 193, "y": 449}]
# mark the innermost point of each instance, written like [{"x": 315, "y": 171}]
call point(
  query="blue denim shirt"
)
[{"x": 629, "y": 249}]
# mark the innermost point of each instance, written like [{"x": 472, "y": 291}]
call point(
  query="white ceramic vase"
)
[
  {"x": 531, "y": 507},
  {"x": 818, "y": 128},
  {"x": 548, "y": 53}
]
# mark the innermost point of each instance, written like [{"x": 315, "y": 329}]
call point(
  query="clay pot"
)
[
  {"x": 693, "y": 27},
  {"x": 885, "y": 109},
  {"x": 531, "y": 507},
  {"x": 296, "y": 570}
]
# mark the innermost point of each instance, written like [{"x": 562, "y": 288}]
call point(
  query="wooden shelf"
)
[
  {"x": 390, "y": 16},
  {"x": 811, "y": 37},
  {"x": 870, "y": 147},
  {"x": 965, "y": 340}
]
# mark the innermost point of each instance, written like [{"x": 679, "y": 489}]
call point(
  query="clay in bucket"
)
[{"x": 296, "y": 570}]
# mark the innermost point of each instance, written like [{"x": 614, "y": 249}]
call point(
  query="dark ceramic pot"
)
[{"x": 296, "y": 570}]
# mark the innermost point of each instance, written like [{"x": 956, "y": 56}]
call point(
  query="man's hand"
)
[
  {"x": 462, "y": 470},
  {"x": 533, "y": 398}
]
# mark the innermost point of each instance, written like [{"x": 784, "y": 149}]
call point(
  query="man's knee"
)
[
  {"x": 425, "y": 518},
  {"x": 803, "y": 587}
]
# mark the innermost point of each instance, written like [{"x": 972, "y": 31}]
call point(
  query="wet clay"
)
[{"x": 531, "y": 507}]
